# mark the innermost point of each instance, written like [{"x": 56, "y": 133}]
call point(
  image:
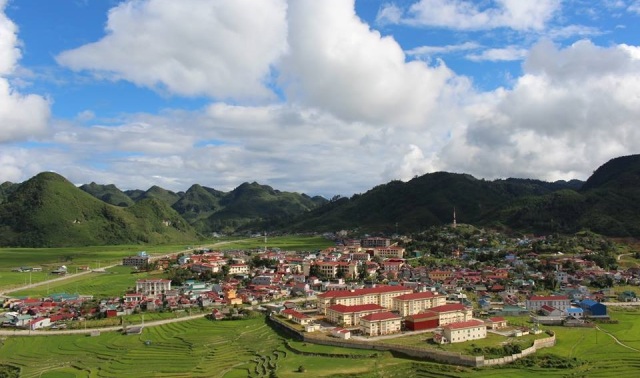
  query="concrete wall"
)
[
  {"x": 537, "y": 344},
  {"x": 434, "y": 355}
]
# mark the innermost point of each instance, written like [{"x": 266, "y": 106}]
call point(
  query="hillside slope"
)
[{"x": 49, "y": 211}]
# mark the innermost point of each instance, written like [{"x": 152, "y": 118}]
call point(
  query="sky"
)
[{"x": 328, "y": 97}]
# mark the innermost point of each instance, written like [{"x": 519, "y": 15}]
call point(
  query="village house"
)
[
  {"x": 138, "y": 261},
  {"x": 496, "y": 322},
  {"x": 297, "y": 317},
  {"x": 238, "y": 269},
  {"x": 341, "y": 333}
]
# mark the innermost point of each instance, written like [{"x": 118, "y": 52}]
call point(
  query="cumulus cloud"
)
[
  {"x": 337, "y": 63},
  {"x": 472, "y": 15},
  {"x": 21, "y": 116},
  {"x": 220, "y": 49},
  {"x": 572, "y": 110}
]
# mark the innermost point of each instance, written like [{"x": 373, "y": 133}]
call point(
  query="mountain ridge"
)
[{"x": 44, "y": 210}]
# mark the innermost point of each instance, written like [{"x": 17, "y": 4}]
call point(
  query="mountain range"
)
[{"x": 48, "y": 210}]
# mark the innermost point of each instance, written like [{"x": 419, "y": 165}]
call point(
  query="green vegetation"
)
[
  {"x": 285, "y": 243},
  {"x": 74, "y": 258},
  {"x": 49, "y": 211},
  {"x": 203, "y": 348},
  {"x": 114, "y": 282}
]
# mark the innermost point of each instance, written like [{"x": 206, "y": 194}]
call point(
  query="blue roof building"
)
[{"x": 593, "y": 308}]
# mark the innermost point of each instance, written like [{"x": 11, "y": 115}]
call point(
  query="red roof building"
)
[
  {"x": 381, "y": 323},
  {"x": 414, "y": 303},
  {"x": 380, "y": 295},
  {"x": 348, "y": 316}
]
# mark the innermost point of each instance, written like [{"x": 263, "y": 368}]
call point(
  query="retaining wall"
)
[{"x": 451, "y": 358}]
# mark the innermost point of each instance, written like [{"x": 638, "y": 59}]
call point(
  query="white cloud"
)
[
  {"x": 510, "y": 53},
  {"x": 220, "y": 49},
  {"x": 337, "y": 63},
  {"x": 21, "y": 116},
  {"x": 572, "y": 110},
  {"x": 426, "y": 51},
  {"x": 472, "y": 15},
  {"x": 634, "y": 7},
  {"x": 389, "y": 14}
]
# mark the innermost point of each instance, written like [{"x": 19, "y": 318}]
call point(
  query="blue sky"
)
[{"x": 322, "y": 97}]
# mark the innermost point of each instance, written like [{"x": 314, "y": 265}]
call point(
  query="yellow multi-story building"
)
[
  {"x": 380, "y": 295},
  {"x": 451, "y": 313},
  {"x": 410, "y": 304},
  {"x": 347, "y": 316},
  {"x": 381, "y": 323}
]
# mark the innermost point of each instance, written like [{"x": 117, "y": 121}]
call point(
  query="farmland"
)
[
  {"x": 203, "y": 348},
  {"x": 73, "y": 258}
]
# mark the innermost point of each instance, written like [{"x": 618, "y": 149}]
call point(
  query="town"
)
[{"x": 373, "y": 286}]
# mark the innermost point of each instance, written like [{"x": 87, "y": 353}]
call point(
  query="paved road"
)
[{"x": 89, "y": 330}]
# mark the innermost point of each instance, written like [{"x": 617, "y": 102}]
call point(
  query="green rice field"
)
[
  {"x": 73, "y": 258},
  {"x": 113, "y": 282},
  {"x": 285, "y": 243},
  {"x": 251, "y": 348}
]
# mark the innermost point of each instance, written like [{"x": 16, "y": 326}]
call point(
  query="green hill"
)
[
  {"x": 48, "y": 211},
  {"x": 422, "y": 202},
  {"x": 6, "y": 188},
  {"x": 161, "y": 194},
  {"x": 256, "y": 206},
  {"x": 199, "y": 203},
  {"x": 108, "y": 193},
  {"x": 607, "y": 203}
]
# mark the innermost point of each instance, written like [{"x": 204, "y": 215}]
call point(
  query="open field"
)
[
  {"x": 287, "y": 243},
  {"x": 113, "y": 282},
  {"x": 73, "y": 258},
  {"x": 203, "y": 348}
]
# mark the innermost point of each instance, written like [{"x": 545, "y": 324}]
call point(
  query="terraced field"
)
[{"x": 250, "y": 348}]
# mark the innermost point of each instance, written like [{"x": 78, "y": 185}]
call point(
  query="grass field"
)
[
  {"x": 52, "y": 258},
  {"x": 112, "y": 283},
  {"x": 115, "y": 281},
  {"x": 250, "y": 348},
  {"x": 285, "y": 243}
]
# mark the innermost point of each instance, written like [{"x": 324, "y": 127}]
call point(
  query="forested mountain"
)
[
  {"x": 209, "y": 210},
  {"x": 424, "y": 201},
  {"x": 48, "y": 210},
  {"x": 108, "y": 193}
]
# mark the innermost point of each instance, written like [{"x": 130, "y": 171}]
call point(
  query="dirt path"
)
[
  {"x": 616, "y": 340},
  {"x": 624, "y": 254}
]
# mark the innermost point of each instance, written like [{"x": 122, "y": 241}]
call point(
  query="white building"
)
[
  {"x": 459, "y": 332},
  {"x": 153, "y": 286},
  {"x": 560, "y": 302}
]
